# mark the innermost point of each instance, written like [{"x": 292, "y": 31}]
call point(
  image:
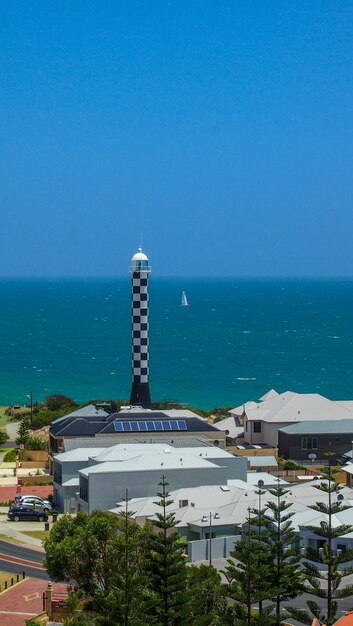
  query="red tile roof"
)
[{"x": 346, "y": 620}]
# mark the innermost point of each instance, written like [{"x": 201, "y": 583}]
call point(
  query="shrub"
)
[
  {"x": 3, "y": 436},
  {"x": 32, "y": 483},
  {"x": 36, "y": 443},
  {"x": 10, "y": 456},
  {"x": 58, "y": 401},
  {"x": 291, "y": 465}
]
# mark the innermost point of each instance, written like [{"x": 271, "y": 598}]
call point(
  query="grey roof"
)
[
  {"x": 88, "y": 442},
  {"x": 316, "y": 427},
  {"x": 176, "y": 440},
  {"x": 90, "y": 409},
  {"x": 262, "y": 461},
  {"x": 73, "y": 482},
  {"x": 100, "y": 422}
]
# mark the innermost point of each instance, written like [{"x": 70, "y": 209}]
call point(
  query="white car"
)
[{"x": 37, "y": 502}]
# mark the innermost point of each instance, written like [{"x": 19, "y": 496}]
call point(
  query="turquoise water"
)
[{"x": 236, "y": 340}]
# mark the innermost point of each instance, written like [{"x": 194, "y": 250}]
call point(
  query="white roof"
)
[
  {"x": 121, "y": 452},
  {"x": 270, "y": 394},
  {"x": 261, "y": 461},
  {"x": 78, "y": 454},
  {"x": 269, "y": 480},
  {"x": 348, "y": 468},
  {"x": 297, "y": 407},
  {"x": 231, "y": 425},
  {"x": 232, "y": 502},
  {"x": 239, "y": 410},
  {"x": 150, "y": 463}
]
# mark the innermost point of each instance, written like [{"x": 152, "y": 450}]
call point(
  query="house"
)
[
  {"x": 301, "y": 440},
  {"x": 89, "y": 478},
  {"x": 221, "y": 512},
  {"x": 131, "y": 424},
  {"x": 263, "y": 419}
]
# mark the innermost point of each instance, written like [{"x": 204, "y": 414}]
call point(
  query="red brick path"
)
[
  {"x": 8, "y": 493},
  {"x": 24, "y": 601}
]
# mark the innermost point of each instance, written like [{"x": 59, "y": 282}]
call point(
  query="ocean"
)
[{"x": 236, "y": 340}]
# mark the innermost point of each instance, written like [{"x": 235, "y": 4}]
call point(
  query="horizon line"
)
[{"x": 181, "y": 277}]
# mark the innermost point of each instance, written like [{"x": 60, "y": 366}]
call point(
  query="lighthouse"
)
[{"x": 140, "y": 390}]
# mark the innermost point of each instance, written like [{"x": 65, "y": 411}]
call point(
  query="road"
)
[{"x": 16, "y": 559}]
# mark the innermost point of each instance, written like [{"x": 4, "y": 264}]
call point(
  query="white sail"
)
[{"x": 184, "y": 300}]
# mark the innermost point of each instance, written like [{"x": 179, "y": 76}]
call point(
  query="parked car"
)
[
  {"x": 26, "y": 513},
  {"x": 40, "y": 504}
]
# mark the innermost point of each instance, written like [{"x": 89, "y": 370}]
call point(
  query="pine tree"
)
[
  {"x": 208, "y": 598},
  {"x": 284, "y": 571},
  {"x": 247, "y": 575},
  {"x": 167, "y": 566},
  {"x": 127, "y": 597},
  {"x": 324, "y": 579},
  {"x": 23, "y": 433}
]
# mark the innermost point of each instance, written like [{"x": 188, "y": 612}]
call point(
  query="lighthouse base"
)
[{"x": 140, "y": 395}]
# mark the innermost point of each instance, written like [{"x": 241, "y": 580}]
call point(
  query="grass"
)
[
  {"x": 6, "y": 577},
  {"x": 11, "y": 539},
  {"x": 4, "y": 419},
  {"x": 37, "y": 534}
]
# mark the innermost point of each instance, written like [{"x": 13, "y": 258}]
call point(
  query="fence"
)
[{"x": 221, "y": 546}]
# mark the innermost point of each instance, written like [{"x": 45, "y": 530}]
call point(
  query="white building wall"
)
[{"x": 106, "y": 489}]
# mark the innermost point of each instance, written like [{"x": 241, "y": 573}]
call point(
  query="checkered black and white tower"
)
[{"x": 140, "y": 390}]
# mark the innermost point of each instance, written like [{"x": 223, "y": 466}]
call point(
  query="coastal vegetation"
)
[{"x": 58, "y": 405}]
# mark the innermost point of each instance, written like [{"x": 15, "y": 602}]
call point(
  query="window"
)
[
  {"x": 57, "y": 473},
  {"x": 257, "y": 427},
  {"x": 309, "y": 443},
  {"x": 84, "y": 489},
  {"x": 341, "y": 548}
]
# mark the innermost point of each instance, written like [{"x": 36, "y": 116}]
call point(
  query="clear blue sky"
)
[{"x": 220, "y": 130}]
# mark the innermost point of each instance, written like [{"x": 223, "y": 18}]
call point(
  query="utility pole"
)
[{"x": 30, "y": 396}]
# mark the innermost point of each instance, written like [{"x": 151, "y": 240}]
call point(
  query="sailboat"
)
[{"x": 184, "y": 300}]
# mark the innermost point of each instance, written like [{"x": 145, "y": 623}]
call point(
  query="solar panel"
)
[{"x": 149, "y": 425}]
